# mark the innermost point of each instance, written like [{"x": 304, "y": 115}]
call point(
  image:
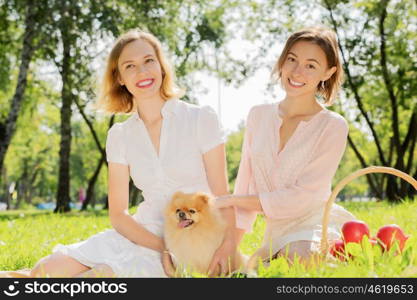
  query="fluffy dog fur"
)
[{"x": 194, "y": 230}]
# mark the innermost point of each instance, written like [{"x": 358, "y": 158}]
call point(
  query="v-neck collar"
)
[
  {"x": 169, "y": 108},
  {"x": 278, "y": 115},
  {"x": 278, "y": 122}
]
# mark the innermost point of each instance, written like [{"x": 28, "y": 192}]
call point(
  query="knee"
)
[
  {"x": 45, "y": 265},
  {"x": 39, "y": 268},
  {"x": 298, "y": 250},
  {"x": 103, "y": 270}
]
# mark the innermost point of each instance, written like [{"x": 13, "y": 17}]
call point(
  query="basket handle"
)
[{"x": 324, "y": 245}]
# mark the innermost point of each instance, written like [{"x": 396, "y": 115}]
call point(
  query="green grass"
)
[{"x": 27, "y": 236}]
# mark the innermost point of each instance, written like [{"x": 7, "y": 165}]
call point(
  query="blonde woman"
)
[
  {"x": 292, "y": 149},
  {"x": 166, "y": 145}
]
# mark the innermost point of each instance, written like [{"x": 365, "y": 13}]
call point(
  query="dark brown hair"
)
[{"x": 326, "y": 39}]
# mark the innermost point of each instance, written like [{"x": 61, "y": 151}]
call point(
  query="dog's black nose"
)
[{"x": 181, "y": 215}]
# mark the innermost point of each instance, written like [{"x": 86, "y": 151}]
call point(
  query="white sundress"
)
[{"x": 187, "y": 132}]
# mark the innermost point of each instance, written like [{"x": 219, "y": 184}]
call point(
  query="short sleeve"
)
[
  {"x": 210, "y": 132},
  {"x": 115, "y": 145}
]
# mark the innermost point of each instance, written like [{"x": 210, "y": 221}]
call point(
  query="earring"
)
[{"x": 322, "y": 85}]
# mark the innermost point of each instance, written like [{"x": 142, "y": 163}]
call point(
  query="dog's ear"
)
[
  {"x": 177, "y": 195},
  {"x": 203, "y": 198}
]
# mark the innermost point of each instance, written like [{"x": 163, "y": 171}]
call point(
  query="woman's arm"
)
[
  {"x": 312, "y": 186},
  {"x": 247, "y": 202},
  {"x": 118, "y": 185},
  {"x": 216, "y": 170},
  {"x": 120, "y": 218},
  {"x": 244, "y": 178}
]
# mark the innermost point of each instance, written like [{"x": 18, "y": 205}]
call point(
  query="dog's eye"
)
[
  {"x": 192, "y": 211},
  {"x": 177, "y": 211}
]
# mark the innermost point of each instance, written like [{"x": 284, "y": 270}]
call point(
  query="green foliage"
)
[
  {"x": 32, "y": 156},
  {"x": 381, "y": 70}
]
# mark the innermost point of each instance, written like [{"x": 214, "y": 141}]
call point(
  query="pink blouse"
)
[{"x": 293, "y": 183}]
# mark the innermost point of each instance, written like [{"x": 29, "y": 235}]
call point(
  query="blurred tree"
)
[
  {"x": 32, "y": 16},
  {"x": 31, "y": 160},
  {"x": 377, "y": 40}
]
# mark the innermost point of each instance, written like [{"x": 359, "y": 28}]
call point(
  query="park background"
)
[{"x": 52, "y": 56}]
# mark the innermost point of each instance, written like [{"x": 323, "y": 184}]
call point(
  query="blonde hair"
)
[
  {"x": 326, "y": 39},
  {"x": 115, "y": 98}
]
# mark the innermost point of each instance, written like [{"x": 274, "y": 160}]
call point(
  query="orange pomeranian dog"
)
[{"x": 194, "y": 230}]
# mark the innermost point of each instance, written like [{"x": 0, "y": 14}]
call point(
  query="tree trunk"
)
[
  {"x": 20, "y": 188},
  {"x": 392, "y": 189},
  {"x": 4, "y": 190},
  {"x": 8, "y": 127},
  {"x": 29, "y": 192},
  {"x": 411, "y": 190},
  {"x": 93, "y": 179},
  {"x": 106, "y": 203},
  {"x": 63, "y": 192},
  {"x": 91, "y": 184},
  {"x": 369, "y": 178},
  {"x": 8, "y": 200}
]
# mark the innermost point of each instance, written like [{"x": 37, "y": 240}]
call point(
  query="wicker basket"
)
[{"x": 324, "y": 246}]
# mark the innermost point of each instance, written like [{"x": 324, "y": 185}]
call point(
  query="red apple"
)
[
  {"x": 388, "y": 234},
  {"x": 353, "y": 231},
  {"x": 338, "y": 249}
]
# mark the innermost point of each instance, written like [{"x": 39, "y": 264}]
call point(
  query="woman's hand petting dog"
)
[
  {"x": 223, "y": 201},
  {"x": 223, "y": 258},
  {"x": 248, "y": 202},
  {"x": 167, "y": 264}
]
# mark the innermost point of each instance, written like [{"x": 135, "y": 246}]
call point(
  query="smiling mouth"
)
[
  {"x": 185, "y": 223},
  {"x": 295, "y": 84},
  {"x": 143, "y": 84}
]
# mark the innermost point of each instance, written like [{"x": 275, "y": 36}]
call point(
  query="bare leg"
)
[
  {"x": 58, "y": 265},
  {"x": 98, "y": 271},
  {"x": 24, "y": 273},
  {"x": 253, "y": 261},
  {"x": 301, "y": 250}
]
